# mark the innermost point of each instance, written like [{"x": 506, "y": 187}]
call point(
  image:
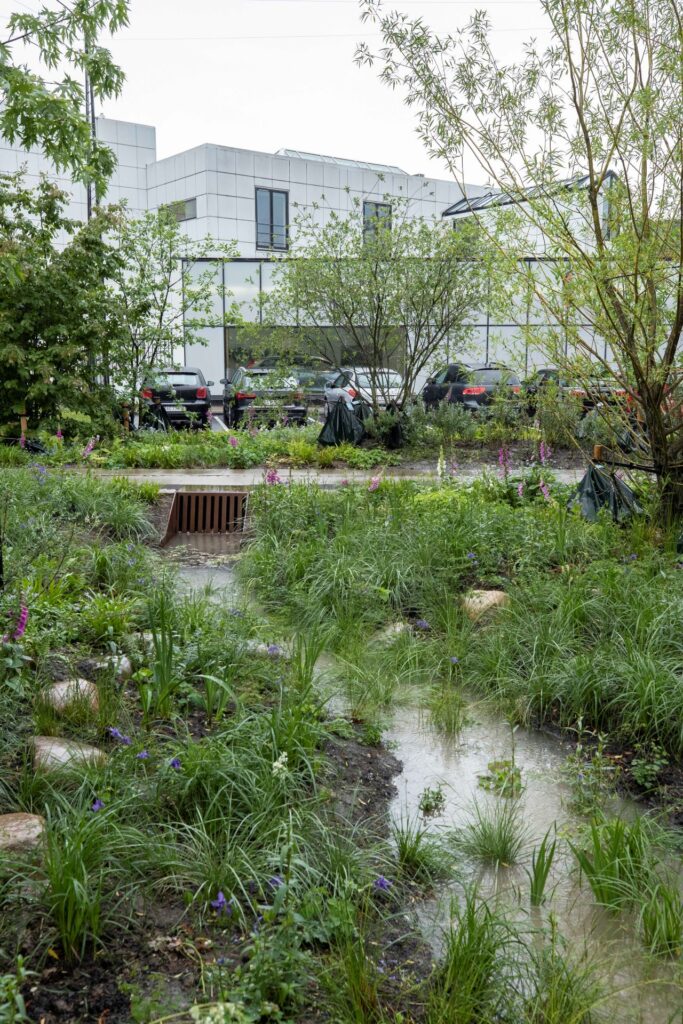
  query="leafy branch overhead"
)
[
  {"x": 581, "y": 142},
  {"x": 50, "y": 115}
]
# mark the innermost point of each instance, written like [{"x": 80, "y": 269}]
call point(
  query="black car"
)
[
  {"x": 182, "y": 395},
  {"x": 470, "y": 386},
  {"x": 591, "y": 393},
  {"x": 263, "y": 393}
]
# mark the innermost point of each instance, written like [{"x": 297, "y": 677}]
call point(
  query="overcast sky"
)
[{"x": 266, "y": 74}]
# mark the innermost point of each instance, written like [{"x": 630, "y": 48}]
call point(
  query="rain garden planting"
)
[{"x": 337, "y": 791}]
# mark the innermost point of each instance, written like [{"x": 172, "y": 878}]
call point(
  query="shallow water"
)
[
  {"x": 645, "y": 991},
  {"x": 218, "y": 580}
]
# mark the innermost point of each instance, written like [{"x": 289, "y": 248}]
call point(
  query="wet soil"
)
[{"x": 159, "y": 965}]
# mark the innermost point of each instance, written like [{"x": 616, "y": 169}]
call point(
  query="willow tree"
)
[
  {"x": 390, "y": 291},
  {"x": 581, "y": 140}
]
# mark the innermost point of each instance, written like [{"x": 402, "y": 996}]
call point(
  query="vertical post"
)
[{"x": 90, "y": 117}]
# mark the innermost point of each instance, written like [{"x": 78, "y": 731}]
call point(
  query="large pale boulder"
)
[
  {"x": 479, "y": 602},
  {"x": 51, "y": 752},
  {"x": 63, "y": 695},
  {"x": 20, "y": 832}
]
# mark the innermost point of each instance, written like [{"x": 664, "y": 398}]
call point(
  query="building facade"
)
[{"x": 239, "y": 196}]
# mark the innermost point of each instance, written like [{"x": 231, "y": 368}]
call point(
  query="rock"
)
[
  {"x": 120, "y": 664},
  {"x": 20, "y": 831},
  {"x": 479, "y": 602},
  {"x": 51, "y": 752},
  {"x": 391, "y": 631},
  {"x": 72, "y": 691},
  {"x": 123, "y": 667}
]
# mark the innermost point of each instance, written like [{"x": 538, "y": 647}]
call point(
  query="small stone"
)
[
  {"x": 51, "y": 752},
  {"x": 20, "y": 831},
  {"x": 479, "y": 602},
  {"x": 60, "y": 696},
  {"x": 123, "y": 667}
]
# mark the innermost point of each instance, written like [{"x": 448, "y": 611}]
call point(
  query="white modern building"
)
[{"x": 246, "y": 197}]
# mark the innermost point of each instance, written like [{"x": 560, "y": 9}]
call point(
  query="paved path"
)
[{"x": 209, "y": 478}]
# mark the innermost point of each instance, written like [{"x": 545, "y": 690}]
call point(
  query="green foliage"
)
[
  {"x": 494, "y": 834},
  {"x": 502, "y": 777},
  {"x": 43, "y": 114},
  {"x": 420, "y": 855},
  {"x": 55, "y": 310},
  {"x": 661, "y": 919},
  {"x": 541, "y": 863},
  {"x": 617, "y": 861},
  {"x": 12, "y": 1005},
  {"x": 432, "y": 801}
]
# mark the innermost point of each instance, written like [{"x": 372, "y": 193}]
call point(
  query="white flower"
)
[
  {"x": 441, "y": 464},
  {"x": 280, "y": 767}
]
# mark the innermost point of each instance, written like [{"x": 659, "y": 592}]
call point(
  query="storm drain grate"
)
[{"x": 213, "y": 512}]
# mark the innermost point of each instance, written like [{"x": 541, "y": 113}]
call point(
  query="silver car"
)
[{"x": 355, "y": 383}]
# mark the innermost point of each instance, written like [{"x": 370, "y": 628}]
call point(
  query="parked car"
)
[
  {"x": 182, "y": 394},
  {"x": 592, "y": 393},
  {"x": 470, "y": 386},
  {"x": 313, "y": 383},
  {"x": 264, "y": 393},
  {"x": 355, "y": 383}
]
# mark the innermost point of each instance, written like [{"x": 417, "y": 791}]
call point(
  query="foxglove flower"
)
[
  {"x": 272, "y": 477},
  {"x": 233, "y": 442},
  {"x": 374, "y": 483}
]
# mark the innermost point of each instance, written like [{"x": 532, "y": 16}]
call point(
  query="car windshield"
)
[
  {"x": 312, "y": 378},
  {"x": 172, "y": 379},
  {"x": 268, "y": 381},
  {"x": 489, "y": 376},
  {"x": 383, "y": 379}
]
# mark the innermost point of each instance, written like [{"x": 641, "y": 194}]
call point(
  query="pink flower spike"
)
[
  {"x": 520, "y": 489},
  {"x": 233, "y": 442},
  {"x": 22, "y": 441},
  {"x": 543, "y": 487},
  {"x": 272, "y": 477},
  {"x": 374, "y": 483},
  {"x": 59, "y": 435}
]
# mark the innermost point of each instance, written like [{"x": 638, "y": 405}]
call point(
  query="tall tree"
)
[
  {"x": 51, "y": 114},
  {"x": 162, "y": 295},
  {"x": 583, "y": 139},
  {"x": 54, "y": 311},
  {"x": 392, "y": 291}
]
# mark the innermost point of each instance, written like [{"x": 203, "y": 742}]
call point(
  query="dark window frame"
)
[
  {"x": 186, "y": 207},
  {"x": 371, "y": 219},
  {"x": 272, "y": 246}
]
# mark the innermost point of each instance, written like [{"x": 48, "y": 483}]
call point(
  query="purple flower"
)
[
  {"x": 142, "y": 756},
  {"x": 233, "y": 442},
  {"x": 543, "y": 488},
  {"x": 344, "y": 482},
  {"x": 89, "y": 446},
  {"x": 272, "y": 477},
  {"x": 98, "y": 805},
  {"x": 21, "y": 623},
  {"x": 520, "y": 489},
  {"x": 275, "y": 882},
  {"x": 59, "y": 435},
  {"x": 382, "y": 884},
  {"x": 175, "y": 763},
  {"x": 471, "y": 555},
  {"x": 116, "y": 734},
  {"x": 221, "y": 905},
  {"x": 504, "y": 460},
  {"x": 274, "y": 651},
  {"x": 422, "y": 624},
  {"x": 374, "y": 483},
  {"x": 453, "y": 660},
  {"x": 22, "y": 440},
  {"x": 545, "y": 453}
]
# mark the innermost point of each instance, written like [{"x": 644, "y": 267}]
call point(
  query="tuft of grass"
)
[
  {"x": 420, "y": 855},
  {"x": 617, "y": 860},
  {"x": 494, "y": 835},
  {"x": 541, "y": 863},
  {"x": 661, "y": 919}
]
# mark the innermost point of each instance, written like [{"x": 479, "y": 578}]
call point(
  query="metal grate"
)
[{"x": 206, "y": 512}]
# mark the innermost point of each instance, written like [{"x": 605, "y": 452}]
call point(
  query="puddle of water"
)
[
  {"x": 646, "y": 992},
  {"x": 218, "y": 580},
  {"x": 208, "y": 543}
]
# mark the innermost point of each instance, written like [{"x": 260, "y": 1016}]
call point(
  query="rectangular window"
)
[
  {"x": 375, "y": 215},
  {"x": 272, "y": 219},
  {"x": 183, "y": 209}
]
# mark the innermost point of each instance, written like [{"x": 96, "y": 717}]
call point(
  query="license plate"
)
[
  {"x": 269, "y": 402},
  {"x": 175, "y": 408}
]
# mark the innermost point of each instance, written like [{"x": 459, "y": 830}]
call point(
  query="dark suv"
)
[
  {"x": 182, "y": 394},
  {"x": 263, "y": 393},
  {"x": 470, "y": 386}
]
